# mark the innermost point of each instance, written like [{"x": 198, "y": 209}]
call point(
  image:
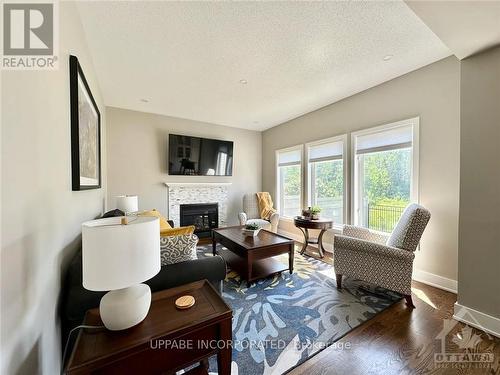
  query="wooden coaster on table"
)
[{"x": 184, "y": 302}]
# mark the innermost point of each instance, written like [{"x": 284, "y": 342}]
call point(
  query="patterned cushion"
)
[
  {"x": 365, "y": 234},
  {"x": 356, "y": 245},
  {"x": 175, "y": 249},
  {"x": 409, "y": 228},
  {"x": 251, "y": 206}
]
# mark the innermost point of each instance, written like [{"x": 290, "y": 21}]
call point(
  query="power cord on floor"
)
[{"x": 68, "y": 340}]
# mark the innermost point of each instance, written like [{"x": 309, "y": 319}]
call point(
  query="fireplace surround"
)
[{"x": 184, "y": 193}]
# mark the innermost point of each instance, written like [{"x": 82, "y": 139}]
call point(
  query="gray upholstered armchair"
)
[
  {"x": 251, "y": 214},
  {"x": 378, "y": 258}
]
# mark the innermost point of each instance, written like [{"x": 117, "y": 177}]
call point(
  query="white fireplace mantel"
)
[{"x": 197, "y": 184}]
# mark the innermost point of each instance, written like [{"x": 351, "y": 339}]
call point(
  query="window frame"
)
[
  {"x": 355, "y": 173},
  {"x": 309, "y": 174},
  {"x": 278, "y": 194}
]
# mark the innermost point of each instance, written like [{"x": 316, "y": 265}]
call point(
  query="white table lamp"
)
[
  {"x": 118, "y": 258},
  {"x": 127, "y": 203}
]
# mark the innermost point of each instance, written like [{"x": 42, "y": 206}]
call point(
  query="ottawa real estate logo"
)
[{"x": 30, "y": 35}]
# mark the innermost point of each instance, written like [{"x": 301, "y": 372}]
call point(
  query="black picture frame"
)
[{"x": 80, "y": 182}]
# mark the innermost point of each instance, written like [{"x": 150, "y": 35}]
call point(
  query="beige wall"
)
[
  {"x": 41, "y": 216},
  {"x": 137, "y": 158},
  {"x": 432, "y": 93},
  {"x": 479, "y": 240}
]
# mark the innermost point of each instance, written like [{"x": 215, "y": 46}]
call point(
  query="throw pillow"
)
[
  {"x": 175, "y": 249},
  {"x": 177, "y": 231},
  {"x": 163, "y": 222},
  {"x": 113, "y": 213}
]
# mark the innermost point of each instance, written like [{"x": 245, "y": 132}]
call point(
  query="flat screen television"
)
[{"x": 199, "y": 156}]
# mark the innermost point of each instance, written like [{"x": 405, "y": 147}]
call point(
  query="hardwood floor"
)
[
  {"x": 312, "y": 251},
  {"x": 400, "y": 340}
]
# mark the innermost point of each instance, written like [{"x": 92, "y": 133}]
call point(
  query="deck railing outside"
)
[
  {"x": 378, "y": 217},
  {"x": 383, "y": 218}
]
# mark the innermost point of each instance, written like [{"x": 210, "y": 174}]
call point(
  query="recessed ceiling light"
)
[
  {"x": 145, "y": 100},
  {"x": 243, "y": 81},
  {"x": 388, "y": 57}
]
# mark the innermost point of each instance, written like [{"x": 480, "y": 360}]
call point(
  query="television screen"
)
[{"x": 199, "y": 156}]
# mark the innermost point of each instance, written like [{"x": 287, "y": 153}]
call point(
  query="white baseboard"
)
[
  {"x": 477, "y": 319},
  {"x": 434, "y": 280}
]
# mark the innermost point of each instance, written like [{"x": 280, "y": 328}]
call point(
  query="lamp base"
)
[{"x": 124, "y": 308}]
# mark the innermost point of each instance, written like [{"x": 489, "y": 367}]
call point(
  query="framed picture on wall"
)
[{"x": 85, "y": 131}]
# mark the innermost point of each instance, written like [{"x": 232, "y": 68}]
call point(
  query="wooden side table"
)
[
  {"x": 168, "y": 340},
  {"x": 305, "y": 224}
]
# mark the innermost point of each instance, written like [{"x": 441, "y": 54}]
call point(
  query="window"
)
[
  {"x": 326, "y": 182},
  {"x": 221, "y": 163},
  {"x": 289, "y": 176},
  {"x": 385, "y": 173}
]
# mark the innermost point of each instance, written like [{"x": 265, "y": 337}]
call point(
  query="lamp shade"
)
[
  {"x": 127, "y": 203},
  {"x": 117, "y": 256}
]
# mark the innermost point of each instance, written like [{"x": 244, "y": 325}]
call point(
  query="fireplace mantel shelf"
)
[{"x": 197, "y": 184}]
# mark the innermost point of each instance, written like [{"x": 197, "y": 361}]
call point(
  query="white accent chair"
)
[{"x": 251, "y": 214}]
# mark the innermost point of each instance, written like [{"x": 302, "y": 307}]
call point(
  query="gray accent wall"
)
[
  {"x": 479, "y": 239},
  {"x": 433, "y": 94},
  {"x": 138, "y": 158}
]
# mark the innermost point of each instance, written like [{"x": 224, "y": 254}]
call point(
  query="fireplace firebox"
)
[{"x": 204, "y": 217}]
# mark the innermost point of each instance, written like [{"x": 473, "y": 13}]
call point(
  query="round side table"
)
[{"x": 305, "y": 224}]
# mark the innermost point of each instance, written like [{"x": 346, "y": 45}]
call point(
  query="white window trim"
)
[
  {"x": 415, "y": 188},
  {"x": 277, "y": 176},
  {"x": 307, "y": 190}
]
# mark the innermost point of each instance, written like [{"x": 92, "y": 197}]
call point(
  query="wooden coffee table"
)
[
  {"x": 253, "y": 257},
  {"x": 167, "y": 341}
]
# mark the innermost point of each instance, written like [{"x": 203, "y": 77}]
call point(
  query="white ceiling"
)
[
  {"x": 466, "y": 27},
  {"x": 188, "y": 58}
]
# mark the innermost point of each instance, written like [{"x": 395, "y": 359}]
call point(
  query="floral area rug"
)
[{"x": 281, "y": 321}]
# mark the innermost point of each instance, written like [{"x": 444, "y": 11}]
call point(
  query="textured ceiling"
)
[
  {"x": 188, "y": 58},
  {"x": 466, "y": 27}
]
